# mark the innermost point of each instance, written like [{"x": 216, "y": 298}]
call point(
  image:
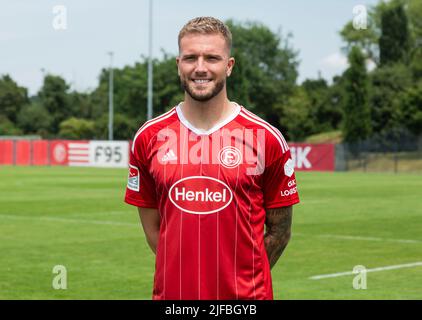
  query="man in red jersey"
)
[{"x": 207, "y": 176}]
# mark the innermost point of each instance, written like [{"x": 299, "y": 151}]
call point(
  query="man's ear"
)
[
  {"x": 230, "y": 66},
  {"x": 177, "y": 63}
]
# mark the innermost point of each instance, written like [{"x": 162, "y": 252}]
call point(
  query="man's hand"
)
[
  {"x": 278, "y": 229},
  {"x": 150, "y": 219}
]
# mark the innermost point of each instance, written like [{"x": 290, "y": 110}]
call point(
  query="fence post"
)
[{"x": 340, "y": 157}]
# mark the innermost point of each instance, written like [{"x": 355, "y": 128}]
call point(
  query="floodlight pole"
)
[
  {"x": 110, "y": 99},
  {"x": 150, "y": 70}
]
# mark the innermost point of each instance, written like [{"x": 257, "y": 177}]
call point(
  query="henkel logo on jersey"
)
[{"x": 200, "y": 195}]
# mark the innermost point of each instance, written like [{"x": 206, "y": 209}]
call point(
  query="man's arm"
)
[
  {"x": 150, "y": 219},
  {"x": 278, "y": 229}
]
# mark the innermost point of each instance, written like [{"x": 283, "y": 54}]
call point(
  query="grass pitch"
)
[{"x": 76, "y": 217}]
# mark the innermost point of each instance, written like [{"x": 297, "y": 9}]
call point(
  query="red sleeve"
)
[
  {"x": 140, "y": 189},
  {"x": 279, "y": 181}
]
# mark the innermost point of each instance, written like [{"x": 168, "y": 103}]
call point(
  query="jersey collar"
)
[{"x": 218, "y": 126}]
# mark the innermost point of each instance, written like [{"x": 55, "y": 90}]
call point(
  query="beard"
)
[{"x": 202, "y": 97}]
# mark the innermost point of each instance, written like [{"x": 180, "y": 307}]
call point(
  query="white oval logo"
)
[{"x": 200, "y": 195}]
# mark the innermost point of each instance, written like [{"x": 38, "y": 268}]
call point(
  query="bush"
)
[{"x": 74, "y": 128}]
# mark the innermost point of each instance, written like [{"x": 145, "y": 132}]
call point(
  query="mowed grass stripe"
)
[{"x": 106, "y": 261}]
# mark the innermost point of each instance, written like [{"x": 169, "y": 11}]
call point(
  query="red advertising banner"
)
[
  {"x": 6, "y": 152},
  {"x": 40, "y": 153},
  {"x": 313, "y": 157},
  {"x": 58, "y": 153},
  {"x": 23, "y": 152},
  {"x": 306, "y": 157}
]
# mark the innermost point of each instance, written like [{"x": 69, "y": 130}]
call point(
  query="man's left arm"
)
[{"x": 278, "y": 224}]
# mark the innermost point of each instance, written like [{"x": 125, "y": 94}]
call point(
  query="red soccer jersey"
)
[{"x": 211, "y": 190}]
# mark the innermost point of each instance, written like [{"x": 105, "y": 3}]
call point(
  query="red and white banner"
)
[
  {"x": 313, "y": 157},
  {"x": 65, "y": 153},
  {"x": 306, "y": 157}
]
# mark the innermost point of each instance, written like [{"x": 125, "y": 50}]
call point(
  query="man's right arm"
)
[{"x": 150, "y": 219}]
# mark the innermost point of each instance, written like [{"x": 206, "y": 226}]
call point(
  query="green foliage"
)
[
  {"x": 263, "y": 80},
  {"x": 365, "y": 39},
  {"x": 55, "y": 99},
  {"x": 74, "y": 128},
  {"x": 297, "y": 118},
  {"x": 357, "y": 120},
  {"x": 34, "y": 118},
  {"x": 388, "y": 83},
  {"x": 326, "y": 137},
  {"x": 7, "y": 127},
  {"x": 412, "y": 109},
  {"x": 266, "y": 69},
  {"x": 12, "y": 97},
  {"x": 394, "y": 42},
  {"x": 124, "y": 127},
  {"x": 82, "y": 105},
  {"x": 323, "y": 105}
]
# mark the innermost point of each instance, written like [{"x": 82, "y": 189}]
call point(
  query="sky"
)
[{"x": 72, "y": 38}]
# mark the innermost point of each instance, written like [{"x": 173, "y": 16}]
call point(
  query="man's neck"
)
[{"x": 206, "y": 115}]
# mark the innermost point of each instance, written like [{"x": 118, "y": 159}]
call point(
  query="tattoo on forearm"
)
[{"x": 278, "y": 225}]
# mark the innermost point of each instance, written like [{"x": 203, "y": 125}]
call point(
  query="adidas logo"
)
[{"x": 169, "y": 156}]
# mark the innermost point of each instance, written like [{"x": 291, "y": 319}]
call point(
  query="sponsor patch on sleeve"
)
[
  {"x": 133, "y": 178},
  {"x": 289, "y": 168}
]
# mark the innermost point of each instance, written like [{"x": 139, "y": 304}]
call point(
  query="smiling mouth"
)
[{"x": 201, "y": 81}]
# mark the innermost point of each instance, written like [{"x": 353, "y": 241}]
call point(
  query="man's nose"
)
[{"x": 201, "y": 65}]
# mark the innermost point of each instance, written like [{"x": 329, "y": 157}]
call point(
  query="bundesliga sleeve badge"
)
[{"x": 133, "y": 178}]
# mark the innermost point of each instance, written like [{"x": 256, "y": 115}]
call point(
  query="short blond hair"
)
[{"x": 206, "y": 25}]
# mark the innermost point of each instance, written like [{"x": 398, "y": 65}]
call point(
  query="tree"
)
[
  {"x": 54, "y": 97},
  {"x": 74, "y": 128},
  {"x": 12, "y": 98},
  {"x": 357, "y": 120},
  {"x": 34, "y": 118},
  {"x": 298, "y": 109},
  {"x": 266, "y": 69},
  {"x": 411, "y": 115},
  {"x": 8, "y": 128},
  {"x": 365, "y": 39},
  {"x": 82, "y": 105},
  {"x": 394, "y": 42},
  {"x": 130, "y": 89},
  {"x": 414, "y": 11},
  {"x": 388, "y": 83},
  {"x": 124, "y": 127}
]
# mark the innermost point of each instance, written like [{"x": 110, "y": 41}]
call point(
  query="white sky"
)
[{"x": 29, "y": 43}]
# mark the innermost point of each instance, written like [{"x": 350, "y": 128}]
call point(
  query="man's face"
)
[{"x": 204, "y": 63}]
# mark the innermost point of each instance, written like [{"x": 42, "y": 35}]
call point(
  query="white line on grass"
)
[
  {"x": 340, "y": 274},
  {"x": 80, "y": 221},
  {"x": 115, "y": 223},
  {"x": 359, "y": 238}
]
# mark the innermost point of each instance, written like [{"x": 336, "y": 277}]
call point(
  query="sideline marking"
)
[
  {"x": 340, "y": 274},
  {"x": 345, "y": 237},
  {"x": 80, "y": 221}
]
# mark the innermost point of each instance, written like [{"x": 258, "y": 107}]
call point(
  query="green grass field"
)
[{"x": 76, "y": 217}]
